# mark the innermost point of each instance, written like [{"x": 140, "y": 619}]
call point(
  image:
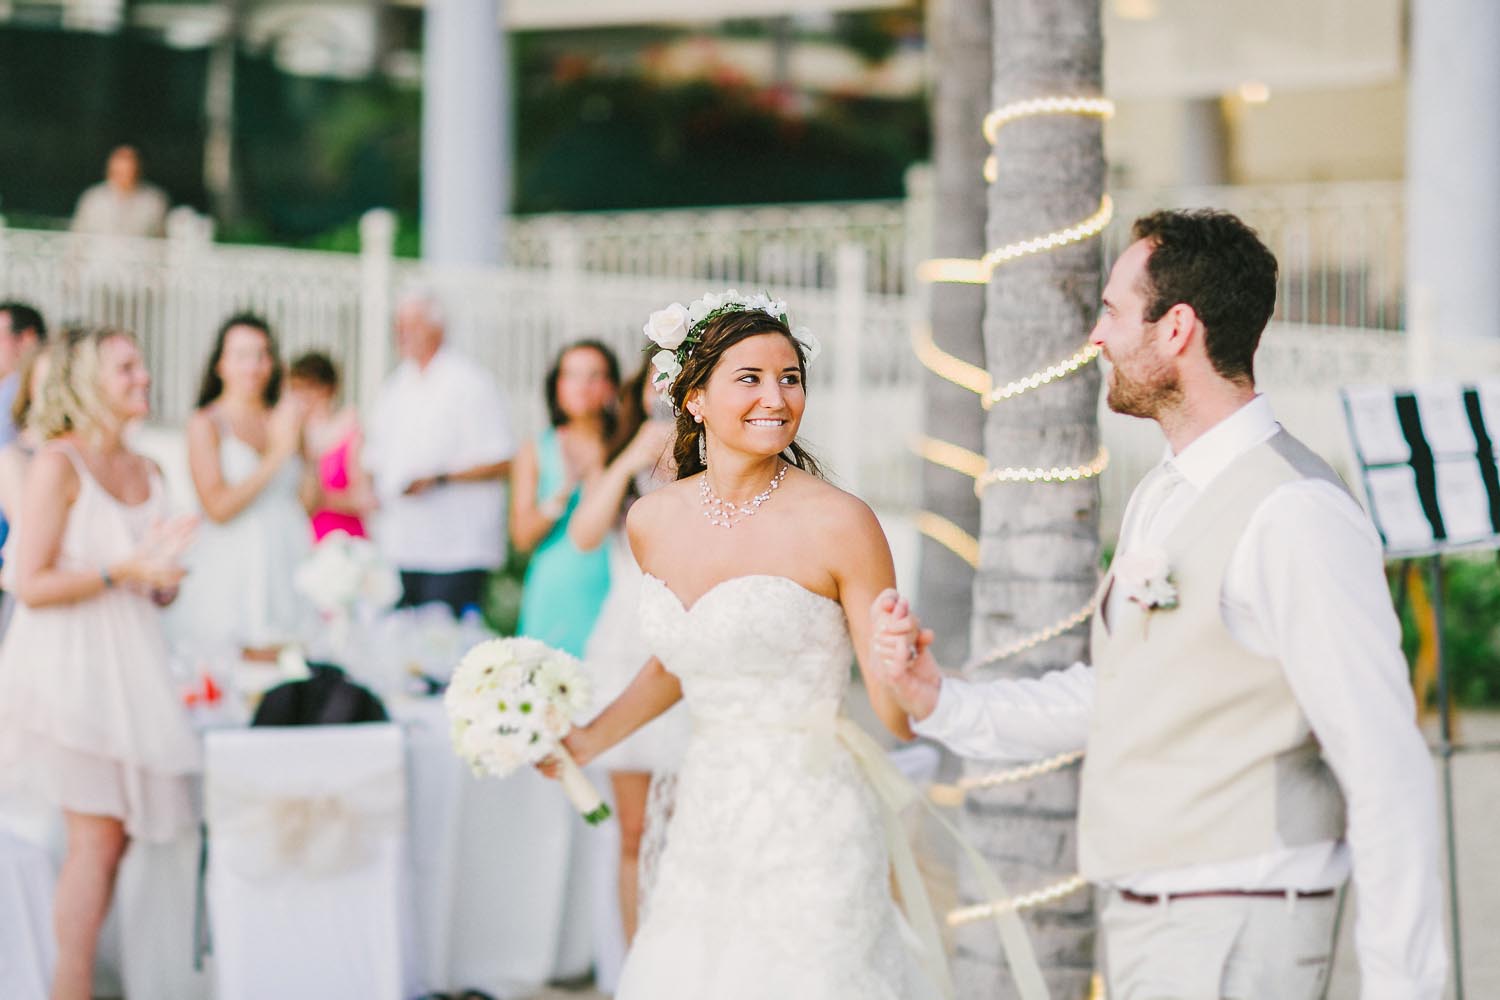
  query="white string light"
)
[
  {"x": 951, "y": 456},
  {"x": 1035, "y": 380},
  {"x": 950, "y": 536},
  {"x": 961, "y": 270},
  {"x": 1056, "y": 474},
  {"x": 1094, "y": 107},
  {"x": 1040, "y": 897},
  {"x": 952, "y": 795},
  {"x": 947, "y": 366},
  {"x": 1020, "y": 646}
]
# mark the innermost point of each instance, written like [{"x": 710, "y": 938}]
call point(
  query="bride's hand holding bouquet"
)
[{"x": 511, "y": 703}]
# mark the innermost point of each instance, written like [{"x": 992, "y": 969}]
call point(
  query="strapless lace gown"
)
[{"x": 774, "y": 882}]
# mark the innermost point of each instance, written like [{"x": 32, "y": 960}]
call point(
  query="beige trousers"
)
[{"x": 1218, "y": 948}]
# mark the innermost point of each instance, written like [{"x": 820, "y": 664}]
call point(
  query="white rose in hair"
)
[
  {"x": 668, "y": 327},
  {"x": 811, "y": 346},
  {"x": 667, "y": 368}
]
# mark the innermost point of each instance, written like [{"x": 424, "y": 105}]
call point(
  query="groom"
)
[{"x": 1247, "y": 718}]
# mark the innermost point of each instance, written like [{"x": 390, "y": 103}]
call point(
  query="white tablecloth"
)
[{"x": 500, "y": 877}]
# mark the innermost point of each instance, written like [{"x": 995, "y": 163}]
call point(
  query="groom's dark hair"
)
[{"x": 1215, "y": 263}]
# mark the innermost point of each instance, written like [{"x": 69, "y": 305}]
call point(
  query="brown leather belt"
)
[{"x": 1137, "y": 897}]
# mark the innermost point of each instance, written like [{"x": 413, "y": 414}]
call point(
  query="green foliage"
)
[
  {"x": 501, "y": 605},
  {"x": 1471, "y": 626}
]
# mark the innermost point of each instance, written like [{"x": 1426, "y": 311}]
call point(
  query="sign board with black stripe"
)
[{"x": 1428, "y": 464}]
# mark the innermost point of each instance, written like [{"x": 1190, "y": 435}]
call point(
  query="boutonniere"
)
[{"x": 1146, "y": 578}]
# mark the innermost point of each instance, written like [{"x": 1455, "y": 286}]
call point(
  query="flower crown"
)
[{"x": 677, "y": 329}]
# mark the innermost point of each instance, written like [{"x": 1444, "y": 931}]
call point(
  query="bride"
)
[{"x": 759, "y": 582}]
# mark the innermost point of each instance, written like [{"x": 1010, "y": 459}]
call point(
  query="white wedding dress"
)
[{"x": 774, "y": 883}]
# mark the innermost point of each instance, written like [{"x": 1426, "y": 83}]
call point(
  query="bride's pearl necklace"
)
[{"x": 726, "y": 513}]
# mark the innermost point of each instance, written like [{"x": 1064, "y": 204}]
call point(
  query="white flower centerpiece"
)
[
  {"x": 345, "y": 578},
  {"x": 677, "y": 329},
  {"x": 510, "y": 703}
]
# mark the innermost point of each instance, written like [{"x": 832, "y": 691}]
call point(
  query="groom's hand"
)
[{"x": 903, "y": 652}]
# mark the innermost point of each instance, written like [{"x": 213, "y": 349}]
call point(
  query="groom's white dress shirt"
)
[{"x": 1305, "y": 586}]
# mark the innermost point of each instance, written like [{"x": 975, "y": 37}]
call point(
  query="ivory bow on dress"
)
[{"x": 896, "y": 793}]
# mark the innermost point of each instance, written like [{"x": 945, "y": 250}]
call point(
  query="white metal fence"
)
[{"x": 867, "y": 400}]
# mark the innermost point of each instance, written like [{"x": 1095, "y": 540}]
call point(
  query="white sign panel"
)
[
  {"x": 1397, "y": 509},
  {"x": 1377, "y": 431},
  {"x": 1445, "y": 421},
  {"x": 1463, "y": 500}
]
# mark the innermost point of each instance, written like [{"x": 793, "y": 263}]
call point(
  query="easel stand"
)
[{"x": 1445, "y": 750}]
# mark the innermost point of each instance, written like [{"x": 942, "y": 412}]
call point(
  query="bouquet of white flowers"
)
[
  {"x": 511, "y": 702},
  {"x": 343, "y": 573}
]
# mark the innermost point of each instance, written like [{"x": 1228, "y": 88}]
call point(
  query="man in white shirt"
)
[
  {"x": 1248, "y": 722},
  {"x": 438, "y": 449},
  {"x": 122, "y": 204}
]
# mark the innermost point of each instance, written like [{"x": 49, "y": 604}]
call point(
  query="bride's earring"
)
[{"x": 702, "y": 448}]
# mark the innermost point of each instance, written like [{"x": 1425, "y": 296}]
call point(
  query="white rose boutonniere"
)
[
  {"x": 1146, "y": 577},
  {"x": 668, "y": 327}
]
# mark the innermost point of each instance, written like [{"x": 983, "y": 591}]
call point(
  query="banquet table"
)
[{"x": 499, "y": 877}]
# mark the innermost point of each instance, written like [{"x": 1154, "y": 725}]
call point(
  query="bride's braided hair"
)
[{"x": 719, "y": 335}]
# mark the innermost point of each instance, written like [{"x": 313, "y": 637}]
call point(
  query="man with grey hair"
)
[{"x": 439, "y": 447}]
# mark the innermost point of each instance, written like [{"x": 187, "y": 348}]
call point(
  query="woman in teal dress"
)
[{"x": 564, "y": 587}]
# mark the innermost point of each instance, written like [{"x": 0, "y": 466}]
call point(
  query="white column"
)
[
  {"x": 1205, "y": 143},
  {"x": 465, "y": 133},
  {"x": 1453, "y": 169},
  {"x": 850, "y": 275},
  {"x": 377, "y": 242}
]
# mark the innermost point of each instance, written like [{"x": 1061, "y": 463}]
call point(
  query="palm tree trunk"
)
[
  {"x": 960, "y": 33},
  {"x": 1040, "y": 542}
]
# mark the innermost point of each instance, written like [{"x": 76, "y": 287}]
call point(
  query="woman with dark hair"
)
[
  {"x": 564, "y": 586},
  {"x": 245, "y": 455},
  {"x": 759, "y": 579},
  {"x": 639, "y": 460},
  {"x": 332, "y": 441}
]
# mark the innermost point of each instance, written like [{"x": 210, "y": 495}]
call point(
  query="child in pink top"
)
[{"x": 332, "y": 440}]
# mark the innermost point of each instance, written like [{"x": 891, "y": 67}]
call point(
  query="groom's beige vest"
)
[{"x": 1198, "y": 751}]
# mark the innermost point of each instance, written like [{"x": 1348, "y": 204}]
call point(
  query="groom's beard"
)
[{"x": 1147, "y": 396}]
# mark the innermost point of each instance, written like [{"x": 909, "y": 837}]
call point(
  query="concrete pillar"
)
[
  {"x": 1453, "y": 169},
  {"x": 465, "y": 132},
  {"x": 1205, "y": 143}
]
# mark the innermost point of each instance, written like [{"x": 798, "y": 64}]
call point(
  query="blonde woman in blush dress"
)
[{"x": 89, "y": 714}]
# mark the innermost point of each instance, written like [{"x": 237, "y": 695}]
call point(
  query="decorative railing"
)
[{"x": 594, "y": 280}]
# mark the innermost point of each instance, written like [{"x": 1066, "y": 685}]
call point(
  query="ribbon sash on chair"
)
[{"x": 261, "y": 834}]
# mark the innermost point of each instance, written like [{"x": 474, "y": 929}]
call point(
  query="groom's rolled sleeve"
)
[
  {"x": 1013, "y": 719},
  {"x": 1322, "y": 601}
]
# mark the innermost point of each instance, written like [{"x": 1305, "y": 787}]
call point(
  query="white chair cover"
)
[{"x": 306, "y": 885}]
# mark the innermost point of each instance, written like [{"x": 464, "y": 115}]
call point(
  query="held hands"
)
[
  {"x": 155, "y": 567},
  {"x": 903, "y": 655}
]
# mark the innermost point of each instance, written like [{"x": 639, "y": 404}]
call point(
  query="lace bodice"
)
[
  {"x": 774, "y": 879},
  {"x": 752, "y": 649}
]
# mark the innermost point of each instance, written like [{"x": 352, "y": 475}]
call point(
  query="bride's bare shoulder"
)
[{"x": 656, "y": 512}]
